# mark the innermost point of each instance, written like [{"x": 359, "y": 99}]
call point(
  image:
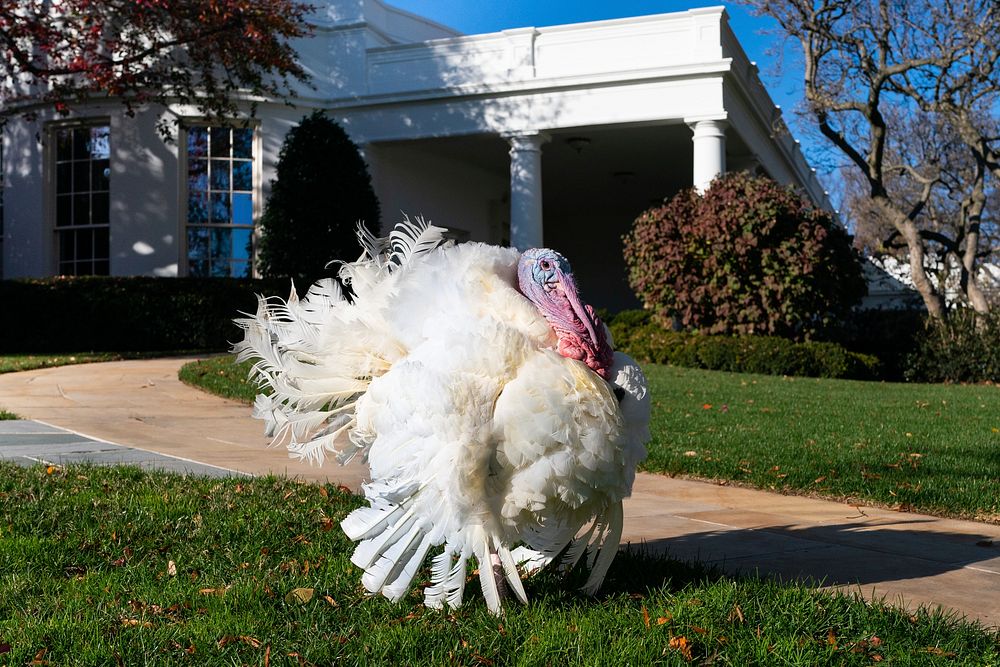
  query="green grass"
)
[
  {"x": 221, "y": 376},
  {"x": 11, "y": 363},
  {"x": 86, "y": 579},
  {"x": 929, "y": 448}
]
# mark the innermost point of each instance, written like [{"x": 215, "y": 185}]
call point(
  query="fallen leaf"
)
[
  {"x": 663, "y": 619},
  {"x": 690, "y": 452},
  {"x": 4, "y": 647},
  {"x": 700, "y": 630},
  {"x": 875, "y": 640},
  {"x": 819, "y": 479},
  {"x": 299, "y": 595},
  {"x": 171, "y": 568},
  {"x": 214, "y": 591},
  {"x": 876, "y": 657},
  {"x": 706, "y": 406},
  {"x": 736, "y": 613},
  {"x": 323, "y": 492},
  {"x": 330, "y": 601},
  {"x": 934, "y": 650},
  {"x": 831, "y": 638},
  {"x": 681, "y": 644},
  {"x": 645, "y": 616}
]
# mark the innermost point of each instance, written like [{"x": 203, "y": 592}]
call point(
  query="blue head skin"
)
[{"x": 546, "y": 279}]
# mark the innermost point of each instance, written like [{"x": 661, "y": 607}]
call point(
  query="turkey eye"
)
[{"x": 545, "y": 264}]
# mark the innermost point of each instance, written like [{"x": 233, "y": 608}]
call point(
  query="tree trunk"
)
[{"x": 933, "y": 301}]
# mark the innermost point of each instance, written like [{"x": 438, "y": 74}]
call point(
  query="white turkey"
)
[{"x": 495, "y": 418}]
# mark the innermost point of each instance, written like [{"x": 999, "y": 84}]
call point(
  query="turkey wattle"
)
[{"x": 485, "y": 396}]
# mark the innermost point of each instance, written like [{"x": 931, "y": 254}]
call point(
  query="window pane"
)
[
  {"x": 240, "y": 270},
  {"x": 102, "y": 268},
  {"x": 220, "y": 207},
  {"x": 197, "y": 239},
  {"x": 99, "y": 205},
  {"x": 64, "y": 211},
  {"x": 101, "y": 243},
  {"x": 64, "y": 177},
  {"x": 81, "y": 209},
  {"x": 81, "y": 143},
  {"x": 100, "y": 174},
  {"x": 242, "y": 244},
  {"x": 66, "y": 250},
  {"x": 100, "y": 144},
  {"x": 64, "y": 145},
  {"x": 243, "y": 142},
  {"x": 84, "y": 268},
  {"x": 219, "y": 145},
  {"x": 220, "y": 269},
  {"x": 243, "y": 175},
  {"x": 221, "y": 246},
  {"x": 242, "y": 209},
  {"x": 199, "y": 268},
  {"x": 198, "y": 207},
  {"x": 81, "y": 176},
  {"x": 198, "y": 175},
  {"x": 84, "y": 244},
  {"x": 197, "y": 142},
  {"x": 220, "y": 175}
]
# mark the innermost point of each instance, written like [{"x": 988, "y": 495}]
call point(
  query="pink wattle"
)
[{"x": 576, "y": 344}]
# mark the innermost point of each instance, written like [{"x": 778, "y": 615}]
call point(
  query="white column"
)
[
  {"x": 526, "y": 189},
  {"x": 709, "y": 151}
]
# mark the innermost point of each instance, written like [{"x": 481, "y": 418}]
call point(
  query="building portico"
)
[{"x": 556, "y": 136}]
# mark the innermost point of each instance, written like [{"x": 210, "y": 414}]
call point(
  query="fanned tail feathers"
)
[{"x": 314, "y": 357}]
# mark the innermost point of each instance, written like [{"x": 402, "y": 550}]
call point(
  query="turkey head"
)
[{"x": 546, "y": 279}]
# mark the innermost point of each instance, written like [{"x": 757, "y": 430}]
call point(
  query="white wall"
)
[{"x": 445, "y": 191}]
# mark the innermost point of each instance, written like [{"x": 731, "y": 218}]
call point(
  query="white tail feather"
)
[
  {"x": 510, "y": 570},
  {"x": 609, "y": 549}
]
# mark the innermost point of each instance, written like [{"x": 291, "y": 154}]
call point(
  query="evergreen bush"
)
[{"x": 322, "y": 190}]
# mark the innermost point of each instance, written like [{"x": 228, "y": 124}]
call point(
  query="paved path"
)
[{"x": 158, "y": 422}]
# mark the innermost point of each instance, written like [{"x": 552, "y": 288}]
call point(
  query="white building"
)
[{"x": 557, "y": 136}]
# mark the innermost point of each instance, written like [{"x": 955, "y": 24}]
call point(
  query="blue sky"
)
[{"x": 779, "y": 64}]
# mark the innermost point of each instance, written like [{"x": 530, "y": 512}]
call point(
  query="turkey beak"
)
[{"x": 569, "y": 289}]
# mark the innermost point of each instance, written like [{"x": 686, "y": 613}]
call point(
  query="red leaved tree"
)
[
  {"x": 747, "y": 257},
  {"x": 209, "y": 53}
]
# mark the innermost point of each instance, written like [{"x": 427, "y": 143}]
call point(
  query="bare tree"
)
[
  {"x": 926, "y": 150},
  {"x": 875, "y": 72}
]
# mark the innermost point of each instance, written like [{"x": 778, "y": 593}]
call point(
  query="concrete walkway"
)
[{"x": 909, "y": 559}]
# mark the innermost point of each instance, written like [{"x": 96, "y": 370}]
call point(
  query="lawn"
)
[
  {"x": 10, "y": 363},
  {"x": 929, "y": 448},
  {"x": 116, "y": 566}
]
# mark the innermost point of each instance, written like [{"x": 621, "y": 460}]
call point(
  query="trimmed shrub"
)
[
  {"x": 637, "y": 335},
  {"x": 964, "y": 348},
  {"x": 890, "y": 335},
  {"x": 748, "y": 257},
  {"x": 103, "y": 314},
  {"x": 321, "y": 192}
]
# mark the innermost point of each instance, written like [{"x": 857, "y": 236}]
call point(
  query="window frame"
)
[
  {"x": 50, "y": 157},
  {"x": 185, "y": 126}
]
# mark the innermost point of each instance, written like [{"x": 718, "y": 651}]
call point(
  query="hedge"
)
[
  {"x": 637, "y": 335},
  {"x": 131, "y": 314}
]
